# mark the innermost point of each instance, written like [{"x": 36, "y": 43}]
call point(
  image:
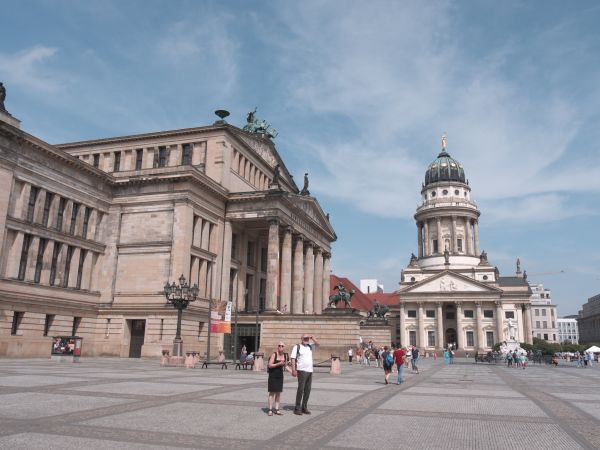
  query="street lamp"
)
[{"x": 180, "y": 297}]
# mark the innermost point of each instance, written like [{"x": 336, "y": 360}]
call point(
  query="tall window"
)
[
  {"x": 74, "y": 218},
  {"x": 82, "y": 256},
  {"x": 70, "y": 250},
  {"x": 97, "y": 160},
  {"x": 40, "y": 260},
  {"x": 250, "y": 254},
  {"x": 459, "y": 245},
  {"x": 139, "y": 157},
  {"x": 31, "y": 205},
  {"x": 76, "y": 323},
  {"x": 249, "y": 292},
  {"x": 48, "y": 323},
  {"x": 431, "y": 338},
  {"x": 543, "y": 312},
  {"x": 234, "y": 246},
  {"x": 263, "y": 259},
  {"x": 412, "y": 337},
  {"x": 435, "y": 246},
  {"x": 186, "y": 155},
  {"x": 61, "y": 212},
  {"x": 55, "y": 253},
  {"x": 537, "y": 312},
  {"x": 47, "y": 203},
  {"x": 162, "y": 156},
  {"x": 545, "y": 324},
  {"x": 17, "y": 318},
  {"x": 430, "y": 313},
  {"x": 470, "y": 339},
  {"x": 489, "y": 336},
  {"x": 537, "y": 324},
  {"x": 86, "y": 221},
  {"x": 24, "y": 253},
  {"x": 468, "y": 313},
  {"x": 117, "y": 162}
]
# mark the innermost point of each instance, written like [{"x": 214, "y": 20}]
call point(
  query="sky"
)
[{"x": 360, "y": 93}]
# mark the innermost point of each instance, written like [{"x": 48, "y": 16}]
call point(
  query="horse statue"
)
[
  {"x": 341, "y": 296},
  {"x": 378, "y": 311}
]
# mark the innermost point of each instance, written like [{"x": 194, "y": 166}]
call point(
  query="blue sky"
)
[{"x": 360, "y": 93}]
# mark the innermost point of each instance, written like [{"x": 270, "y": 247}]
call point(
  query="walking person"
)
[
  {"x": 350, "y": 354},
  {"x": 415, "y": 359},
  {"x": 399, "y": 355},
  {"x": 278, "y": 361},
  {"x": 446, "y": 356},
  {"x": 387, "y": 361},
  {"x": 302, "y": 367}
]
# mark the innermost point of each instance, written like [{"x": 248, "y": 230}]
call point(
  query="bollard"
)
[
  {"x": 164, "y": 359},
  {"x": 259, "y": 364},
  {"x": 336, "y": 366},
  {"x": 189, "y": 361}
]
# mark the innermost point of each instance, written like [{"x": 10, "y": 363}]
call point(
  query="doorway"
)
[
  {"x": 138, "y": 330},
  {"x": 247, "y": 336},
  {"x": 450, "y": 337}
]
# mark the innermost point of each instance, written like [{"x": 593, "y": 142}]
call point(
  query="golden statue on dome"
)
[{"x": 444, "y": 141}]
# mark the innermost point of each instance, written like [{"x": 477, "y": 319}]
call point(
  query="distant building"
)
[
  {"x": 589, "y": 321},
  {"x": 568, "y": 331},
  {"x": 370, "y": 286},
  {"x": 543, "y": 314}
]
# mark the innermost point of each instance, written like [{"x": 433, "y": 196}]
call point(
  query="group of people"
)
[
  {"x": 516, "y": 360},
  {"x": 388, "y": 358}
]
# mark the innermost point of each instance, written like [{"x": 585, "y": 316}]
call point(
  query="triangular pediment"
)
[
  {"x": 310, "y": 208},
  {"x": 262, "y": 149},
  {"x": 450, "y": 282}
]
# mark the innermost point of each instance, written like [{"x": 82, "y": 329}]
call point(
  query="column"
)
[
  {"x": 420, "y": 238},
  {"x": 468, "y": 236},
  {"x": 272, "y": 266},
  {"x": 326, "y": 279},
  {"x": 13, "y": 258},
  {"x": 47, "y": 262},
  {"x": 226, "y": 261},
  {"x": 480, "y": 342},
  {"x": 204, "y": 242},
  {"x": 441, "y": 246},
  {"x": 454, "y": 243},
  {"x": 197, "y": 239},
  {"x": 286, "y": 271},
  {"x": 309, "y": 277},
  {"x": 426, "y": 237},
  {"x": 476, "y": 235},
  {"x": 318, "y": 283},
  {"x": 204, "y": 282},
  {"x": 499, "y": 322},
  {"x": 86, "y": 276},
  {"x": 298, "y": 277},
  {"x": 243, "y": 272},
  {"x": 74, "y": 267},
  {"x": 440, "y": 325},
  {"x": 195, "y": 271},
  {"x": 21, "y": 201},
  {"x": 32, "y": 258},
  {"x": 459, "y": 330},
  {"x": 421, "y": 342},
  {"x": 175, "y": 155},
  {"x": 403, "y": 338},
  {"x": 40, "y": 201},
  {"x": 67, "y": 213},
  {"x": 528, "y": 326}
]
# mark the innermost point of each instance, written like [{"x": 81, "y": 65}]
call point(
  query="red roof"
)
[
  {"x": 359, "y": 300},
  {"x": 391, "y": 298}
]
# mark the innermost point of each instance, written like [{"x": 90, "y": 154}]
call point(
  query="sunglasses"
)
[{"x": 281, "y": 346}]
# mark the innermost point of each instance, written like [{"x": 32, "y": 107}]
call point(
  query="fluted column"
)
[
  {"x": 286, "y": 271},
  {"x": 47, "y": 262},
  {"x": 441, "y": 246},
  {"x": 272, "y": 266},
  {"x": 318, "y": 283},
  {"x": 480, "y": 342},
  {"x": 499, "y": 322},
  {"x": 468, "y": 236},
  {"x": 226, "y": 260},
  {"x": 326, "y": 280},
  {"x": 298, "y": 277},
  {"x": 13, "y": 258},
  {"x": 32, "y": 255},
  {"x": 528, "y": 326},
  {"x": 421, "y": 342},
  {"x": 454, "y": 242},
  {"x": 403, "y": 339},
  {"x": 476, "y": 235},
  {"x": 309, "y": 278},
  {"x": 440, "y": 325},
  {"x": 426, "y": 238},
  {"x": 460, "y": 344},
  {"x": 420, "y": 238}
]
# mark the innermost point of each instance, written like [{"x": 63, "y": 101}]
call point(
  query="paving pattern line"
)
[{"x": 579, "y": 425}]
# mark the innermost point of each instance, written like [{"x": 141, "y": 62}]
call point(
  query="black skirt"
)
[{"x": 275, "y": 383}]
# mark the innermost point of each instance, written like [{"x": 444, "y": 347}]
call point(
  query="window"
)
[
  {"x": 117, "y": 162},
  {"x": 445, "y": 192},
  {"x": 435, "y": 246},
  {"x": 97, "y": 160},
  {"x": 553, "y": 337},
  {"x": 86, "y": 221},
  {"x": 70, "y": 250},
  {"x": 430, "y": 313},
  {"x": 107, "y": 329},
  {"x": 48, "y": 323},
  {"x": 539, "y": 336},
  {"x": 459, "y": 245},
  {"x": 456, "y": 192},
  {"x": 433, "y": 194},
  {"x": 488, "y": 313},
  {"x": 263, "y": 259},
  {"x": 470, "y": 339},
  {"x": 31, "y": 205},
  {"x": 545, "y": 336},
  {"x": 186, "y": 154},
  {"x": 76, "y": 323},
  {"x": 234, "y": 246},
  {"x": 162, "y": 156},
  {"x": 537, "y": 324},
  {"x": 509, "y": 314},
  {"x": 537, "y": 312},
  {"x": 82, "y": 256},
  {"x": 250, "y": 254},
  {"x": 74, "y": 218},
  {"x": 139, "y": 157},
  {"x": 489, "y": 337},
  {"x": 413, "y": 279},
  {"x": 412, "y": 337},
  {"x": 61, "y": 213},
  {"x": 47, "y": 203},
  {"x": 545, "y": 324},
  {"x": 431, "y": 338},
  {"x": 411, "y": 313},
  {"x": 468, "y": 313},
  {"x": 552, "y": 312},
  {"x": 24, "y": 253},
  {"x": 39, "y": 261},
  {"x": 55, "y": 253},
  {"x": 553, "y": 324},
  {"x": 17, "y": 318},
  {"x": 450, "y": 315},
  {"x": 543, "y": 312}
]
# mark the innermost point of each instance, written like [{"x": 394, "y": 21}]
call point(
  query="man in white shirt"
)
[{"x": 302, "y": 367}]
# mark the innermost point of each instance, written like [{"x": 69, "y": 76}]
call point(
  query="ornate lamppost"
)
[{"x": 180, "y": 297}]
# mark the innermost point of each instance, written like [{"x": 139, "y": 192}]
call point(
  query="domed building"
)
[{"x": 450, "y": 294}]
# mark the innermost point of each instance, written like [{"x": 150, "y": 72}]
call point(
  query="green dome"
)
[{"x": 444, "y": 168}]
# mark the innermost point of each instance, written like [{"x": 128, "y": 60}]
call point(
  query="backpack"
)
[{"x": 389, "y": 359}]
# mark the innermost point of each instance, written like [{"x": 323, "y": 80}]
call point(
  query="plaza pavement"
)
[{"x": 135, "y": 404}]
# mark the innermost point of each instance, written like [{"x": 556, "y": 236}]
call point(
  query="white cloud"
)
[{"x": 25, "y": 69}]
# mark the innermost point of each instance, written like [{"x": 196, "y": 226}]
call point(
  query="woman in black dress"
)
[{"x": 277, "y": 363}]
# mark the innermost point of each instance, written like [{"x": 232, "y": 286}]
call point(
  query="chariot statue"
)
[
  {"x": 256, "y": 125},
  {"x": 341, "y": 296}
]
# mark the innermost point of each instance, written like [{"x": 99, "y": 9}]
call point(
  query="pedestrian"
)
[
  {"x": 407, "y": 358},
  {"x": 399, "y": 355},
  {"x": 387, "y": 361},
  {"x": 278, "y": 361},
  {"x": 509, "y": 359},
  {"x": 302, "y": 367},
  {"x": 446, "y": 356},
  {"x": 415, "y": 359},
  {"x": 515, "y": 359},
  {"x": 350, "y": 354},
  {"x": 435, "y": 356},
  {"x": 451, "y": 355},
  {"x": 524, "y": 360}
]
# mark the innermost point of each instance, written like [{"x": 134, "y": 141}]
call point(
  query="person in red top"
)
[{"x": 399, "y": 360}]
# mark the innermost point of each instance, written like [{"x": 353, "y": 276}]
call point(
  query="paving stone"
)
[
  {"x": 144, "y": 388},
  {"x": 35, "y": 441}
]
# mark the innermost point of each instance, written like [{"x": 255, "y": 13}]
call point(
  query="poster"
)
[{"x": 220, "y": 317}]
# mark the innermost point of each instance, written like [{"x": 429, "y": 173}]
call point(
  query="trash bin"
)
[{"x": 66, "y": 348}]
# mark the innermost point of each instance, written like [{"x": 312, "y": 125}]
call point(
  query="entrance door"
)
[
  {"x": 138, "y": 329},
  {"x": 450, "y": 336}
]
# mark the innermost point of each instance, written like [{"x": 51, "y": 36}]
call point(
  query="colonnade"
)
[{"x": 425, "y": 244}]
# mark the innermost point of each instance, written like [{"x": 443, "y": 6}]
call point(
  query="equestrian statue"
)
[
  {"x": 341, "y": 296},
  {"x": 378, "y": 311}
]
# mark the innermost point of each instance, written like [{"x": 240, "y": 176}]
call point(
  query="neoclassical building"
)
[
  {"x": 91, "y": 231},
  {"x": 449, "y": 292}
]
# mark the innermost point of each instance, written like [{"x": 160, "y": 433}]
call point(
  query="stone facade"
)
[
  {"x": 588, "y": 321},
  {"x": 91, "y": 231},
  {"x": 544, "y": 317}
]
